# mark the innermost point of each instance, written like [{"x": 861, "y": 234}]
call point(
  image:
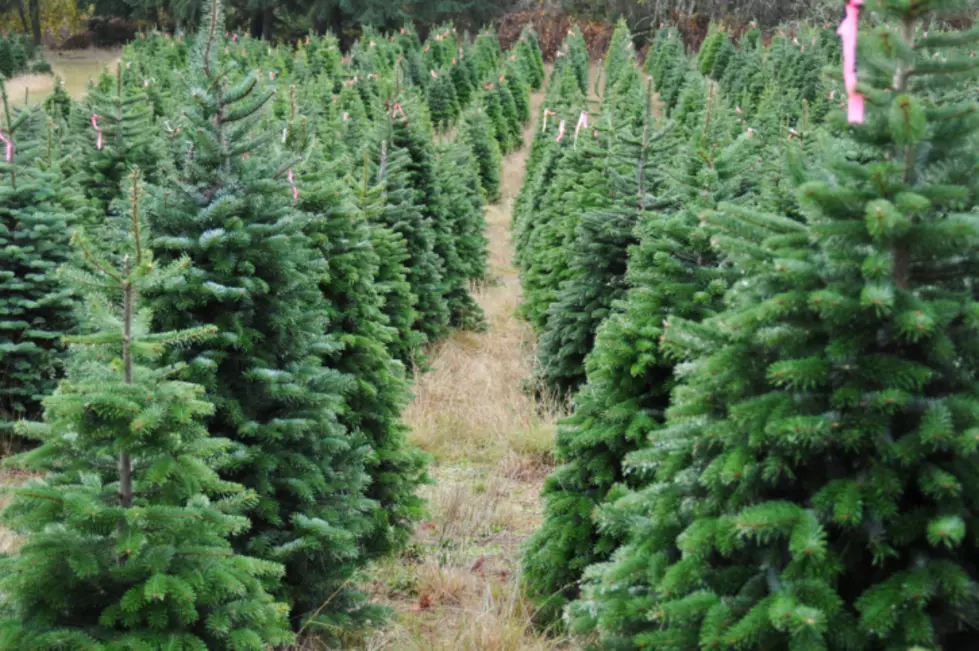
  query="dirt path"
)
[{"x": 457, "y": 585}]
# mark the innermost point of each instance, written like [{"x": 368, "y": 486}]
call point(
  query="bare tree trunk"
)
[
  {"x": 23, "y": 16},
  {"x": 34, "y": 6}
]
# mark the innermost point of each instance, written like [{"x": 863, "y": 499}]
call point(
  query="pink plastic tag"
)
[
  {"x": 848, "y": 34},
  {"x": 95, "y": 125}
]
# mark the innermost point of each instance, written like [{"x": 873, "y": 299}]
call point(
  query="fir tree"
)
[
  {"x": 391, "y": 278},
  {"x": 496, "y": 112},
  {"x": 579, "y": 186},
  {"x": 442, "y": 101},
  {"x": 462, "y": 209},
  {"x": 814, "y": 484},
  {"x": 402, "y": 212},
  {"x": 379, "y": 390},
  {"x": 255, "y": 277},
  {"x": 618, "y": 54},
  {"x": 597, "y": 260},
  {"x": 35, "y": 306},
  {"x": 112, "y": 131},
  {"x": 126, "y": 536},
  {"x": 671, "y": 272},
  {"x": 477, "y": 132}
]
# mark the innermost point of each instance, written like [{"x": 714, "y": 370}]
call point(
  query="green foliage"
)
[
  {"x": 478, "y": 134},
  {"x": 775, "y": 449},
  {"x": 461, "y": 209},
  {"x": 709, "y": 50},
  {"x": 671, "y": 272},
  {"x": 126, "y": 537},
  {"x": 111, "y": 130},
  {"x": 14, "y": 55},
  {"x": 268, "y": 369},
  {"x": 36, "y": 216}
]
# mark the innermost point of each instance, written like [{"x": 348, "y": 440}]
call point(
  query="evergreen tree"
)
[
  {"x": 618, "y": 55},
  {"x": 672, "y": 272},
  {"x": 402, "y": 212},
  {"x": 579, "y": 186},
  {"x": 391, "y": 278},
  {"x": 35, "y": 307},
  {"x": 462, "y": 209},
  {"x": 815, "y": 482},
  {"x": 255, "y": 277},
  {"x": 442, "y": 100},
  {"x": 496, "y": 112},
  {"x": 598, "y": 256},
  {"x": 477, "y": 132},
  {"x": 112, "y": 131},
  {"x": 511, "y": 114},
  {"x": 126, "y": 537},
  {"x": 379, "y": 390}
]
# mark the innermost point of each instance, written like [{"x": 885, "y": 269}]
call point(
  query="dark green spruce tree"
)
[
  {"x": 816, "y": 482},
  {"x": 126, "y": 536}
]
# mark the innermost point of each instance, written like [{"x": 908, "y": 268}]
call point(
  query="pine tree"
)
[
  {"x": 255, "y": 277},
  {"x": 709, "y": 50},
  {"x": 618, "y": 55},
  {"x": 814, "y": 484},
  {"x": 402, "y": 212},
  {"x": 36, "y": 309},
  {"x": 530, "y": 59},
  {"x": 126, "y": 537},
  {"x": 442, "y": 100},
  {"x": 511, "y": 114},
  {"x": 580, "y": 186},
  {"x": 496, "y": 112}
]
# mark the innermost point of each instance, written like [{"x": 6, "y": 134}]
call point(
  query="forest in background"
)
[{"x": 73, "y": 24}]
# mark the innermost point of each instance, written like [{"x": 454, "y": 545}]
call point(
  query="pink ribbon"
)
[
  {"x": 95, "y": 125},
  {"x": 10, "y": 147},
  {"x": 848, "y": 34},
  {"x": 582, "y": 124},
  {"x": 399, "y": 110},
  {"x": 295, "y": 190},
  {"x": 560, "y": 132},
  {"x": 434, "y": 75},
  {"x": 346, "y": 116}
]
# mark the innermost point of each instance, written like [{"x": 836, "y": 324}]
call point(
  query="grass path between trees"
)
[{"x": 457, "y": 586}]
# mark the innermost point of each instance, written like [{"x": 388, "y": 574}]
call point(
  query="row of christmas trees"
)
[
  {"x": 244, "y": 248},
  {"x": 765, "y": 312}
]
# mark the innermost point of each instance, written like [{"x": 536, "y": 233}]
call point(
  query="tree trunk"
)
[
  {"x": 23, "y": 17},
  {"x": 34, "y": 6}
]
